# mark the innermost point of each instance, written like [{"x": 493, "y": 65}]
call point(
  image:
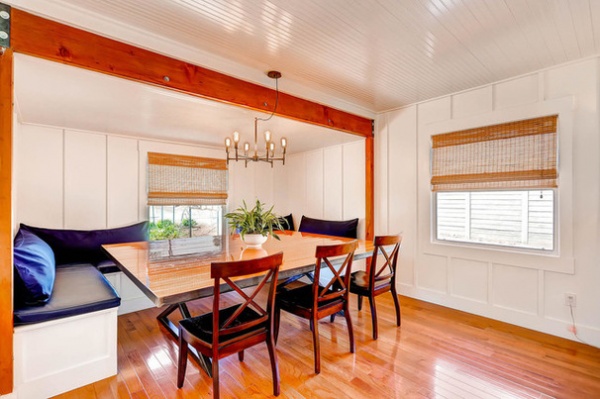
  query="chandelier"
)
[{"x": 269, "y": 147}]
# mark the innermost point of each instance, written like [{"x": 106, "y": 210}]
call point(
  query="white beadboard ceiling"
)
[{"x": 371, "y": 55}]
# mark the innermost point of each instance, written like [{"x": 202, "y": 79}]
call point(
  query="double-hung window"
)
[
  {"x": 496, "y": 185},
  {"x": 186, "y": 196}
]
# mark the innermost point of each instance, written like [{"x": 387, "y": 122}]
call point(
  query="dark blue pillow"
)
[
  {"x": 343, "y": 228},
  {"x": 35, "y": 269},
  {"x": 287, "y": 222},
  {"x": 85, "y": 246}
]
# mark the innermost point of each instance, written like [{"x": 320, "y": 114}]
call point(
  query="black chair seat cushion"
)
[
  {"x": 202, "y": 326},
  {"x": 78, "y": 289},
  {"x": 301, "y": 298},
  {"x": 343, "y": 228},
  {"x": 85, "y": 246},
  {"x": 287, "y": 222},
  {"x": 35, "y": 269}
]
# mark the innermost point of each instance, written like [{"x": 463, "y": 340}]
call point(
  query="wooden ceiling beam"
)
[{"x": 43, "y": 38}]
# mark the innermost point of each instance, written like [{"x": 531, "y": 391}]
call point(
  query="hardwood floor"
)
[{"x": 436, "y": 353}]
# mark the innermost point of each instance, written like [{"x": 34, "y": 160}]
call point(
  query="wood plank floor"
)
[{"x": 436, "y": 353}]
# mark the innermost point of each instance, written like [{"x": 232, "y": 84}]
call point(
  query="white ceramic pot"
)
[{"x": 254, "y": 240}]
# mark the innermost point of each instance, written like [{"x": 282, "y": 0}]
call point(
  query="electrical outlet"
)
[{"x": 570, "y": 299}]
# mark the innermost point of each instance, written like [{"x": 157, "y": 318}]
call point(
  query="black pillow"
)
[
  {"x": 84, "y": 246},
  {"x": 35, "y": 269},
  {"x": 287, "y": 222},
  {"x": 343, "y": 228}
]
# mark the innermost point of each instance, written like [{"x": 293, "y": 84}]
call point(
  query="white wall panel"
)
[
  {"x": 85, "y": 180},
  {"x": 472, "y": 102},
  {"x": 332, "y": 182},
  {"x": 296, "y": 185},
  {"x": 381, "y": 174},
  {"x": 39, "y": 176},
  {"x": 515, "y": 288},
  {"x": 469, "y": 279},
  {"x": 241, "y": 185},
  {"x": 514, "y": 92},
  {"x": 263, "y": 181},
  {"x": 280, "y": 192},
  {"x": 402, "y": 185},
  {"x": 435, "y": 110},
  {"x": 432, "y": 273},
  {"x": 314, "y": 184},
  {"x": 354, "y": 200},
  {"x": 122, "y": 177}
]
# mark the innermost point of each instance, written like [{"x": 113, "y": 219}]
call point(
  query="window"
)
[
  {"x": 511, "y": 218},
  {"x": 496, "y": 184},
  {"x": 186, "y": 196},
  {"x": 184, "y": 221}
]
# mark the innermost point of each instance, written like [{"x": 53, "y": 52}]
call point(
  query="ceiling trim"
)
[{"x": 40, "y": 37}]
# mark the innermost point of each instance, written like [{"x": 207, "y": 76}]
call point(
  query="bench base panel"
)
[{"x": 60, "y": 355}]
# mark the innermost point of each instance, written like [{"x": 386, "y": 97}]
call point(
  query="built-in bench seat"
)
[
  {"x": 65, "y": 312},
  {"x": 78, "y": 289}
]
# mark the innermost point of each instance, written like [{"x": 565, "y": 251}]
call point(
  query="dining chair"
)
[
  {"x": 380, "y": 276},
  {"x": 325, "y": 296},
  {"x": 232, "y": 329}
]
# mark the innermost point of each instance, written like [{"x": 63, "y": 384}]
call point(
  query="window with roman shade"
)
[
  {"x": 186, "y": 180},
  {"x": 514, "y": 155},
  {"x": 496, "y": 184}
]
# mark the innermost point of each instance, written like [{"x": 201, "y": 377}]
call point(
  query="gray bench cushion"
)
[{"x": 78, "y": 289}]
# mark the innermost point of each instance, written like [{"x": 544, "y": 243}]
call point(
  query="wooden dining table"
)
[{"x": 176, "y": 271}]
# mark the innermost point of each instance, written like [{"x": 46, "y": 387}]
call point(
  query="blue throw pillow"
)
[
  {"x": 342, "y": 228},
  {"x": 85, "y": 246},
  {"x": 35, "y": 269}
]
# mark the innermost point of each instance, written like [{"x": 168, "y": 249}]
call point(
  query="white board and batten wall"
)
[
  {"x": 512, "y": 286},
  {"x": 67, "y": 179}
]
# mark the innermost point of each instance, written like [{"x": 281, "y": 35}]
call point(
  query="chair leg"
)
[
  {"x": 215, "y": 377},
  {"x": 182, "y": 363},
  {"x": 359, "y": 302},
  {"x": 277, "y": 316},
  {"x": 316, "y": 347},
  {"x": 274, "y": 365},
  {"x": 350, "y": 330},
  {"x": 373, "y": 316},
  {"x": 241, "y": 356},
  {"x": 397, "y": 305},
  {"x": 332, "y": 318}
]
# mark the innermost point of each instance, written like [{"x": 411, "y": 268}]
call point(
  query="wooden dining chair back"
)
[
  {"x": 232, "y": 329},
  {"x": 380, "y": 276},
  {"x": 325, "y": 296}
]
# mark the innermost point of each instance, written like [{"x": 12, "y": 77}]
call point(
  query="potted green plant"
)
[{"x": 254, "y": 225}]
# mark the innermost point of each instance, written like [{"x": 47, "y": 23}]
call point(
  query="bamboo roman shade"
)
[
  {"x": 514, "y": 155},
  {"x": 185, "y": 180}
]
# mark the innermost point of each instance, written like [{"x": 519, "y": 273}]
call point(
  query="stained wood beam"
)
[
  {"x": 54, "y": 41},
  {"x": 6, "y": 304}
]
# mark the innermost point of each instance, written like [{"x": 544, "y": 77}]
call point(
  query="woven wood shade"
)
[
  {"x": 514, "y": 155},
  {"x": 185, "y": 180}
]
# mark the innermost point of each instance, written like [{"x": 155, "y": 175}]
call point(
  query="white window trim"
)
[{"x": 559, "y": 260}]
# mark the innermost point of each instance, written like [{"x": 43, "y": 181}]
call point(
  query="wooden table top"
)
[{"x": 179, "y": 271}]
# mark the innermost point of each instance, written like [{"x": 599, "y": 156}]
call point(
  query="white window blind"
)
[
  {"x": 186, "y": 180},
  {"x": 514, "y": 155}
]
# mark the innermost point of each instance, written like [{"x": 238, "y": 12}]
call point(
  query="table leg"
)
[{"x": 163, "y": 318}]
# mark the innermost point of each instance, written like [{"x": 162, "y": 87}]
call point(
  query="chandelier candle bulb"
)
[{"x": 236, "y": 137}]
